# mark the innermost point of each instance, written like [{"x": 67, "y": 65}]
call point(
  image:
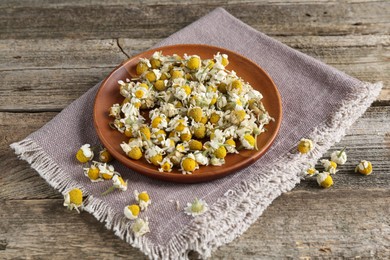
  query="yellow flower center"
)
[
  {"x": 187, "y": 89},
  {"x": 189, "y": 164},
  {"x": 196, "y": 113},
  {"x": 150, "y": 76},
  {"x": 220, "y": 153},
  {"x": 195, "y": 145},
  {"x": 105, "y": 156},
  {"x": 159, "y": 85},
  {"x": 327, "y": 182},
  {"x": 93, "y": 173},
  {"x": 311, "y": 171},
  {"x": 145, "y": 132},
  {"x": 214, "y": 118},
  {"x": 107, "y": 176},
  {"x": 135, "y": 153},
  {"x": 250, "y": 139},
  {"x": 333, "y": 164},
  {"x": 156, "y": 121},
  {"x": 144, "y": 85},
  {"x": 200, "y": 131},
  {"x": 304, "y": 146},
  {"x": 156, "y": 160},
  {"x": 224, "y": 61},
  {"x": 155, "y": 63},
  {"x": 166, "y": 167},
  {"x": 134, "y": 209},
  {"x": 236, "y": 86},
  {"x": 230, "y": 142},
  {"x": 175, "y": 74},
  {"x": 139, "y": 93},
  {"x": 81, "y": 157},
  {"x": 185, "y": 137},
  {"x": 143, "y": 196},
  {"x": 193, "y": 63},
  {"x": 76, "y": 197},
  {"x": 141, "y": 68}
]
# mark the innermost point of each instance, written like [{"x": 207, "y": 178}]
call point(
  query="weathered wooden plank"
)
[
  {"x": 161, "y": 20},
  {"x": 329, "y": 224},
  {"x": 49, "y": 74},
  {"x": 322, "y": 224},
  {"x": 45, "y": 229},
  {"x": 368, "y": 139}
]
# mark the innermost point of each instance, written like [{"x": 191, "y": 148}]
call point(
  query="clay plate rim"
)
[{"x": 244, "y": 67}]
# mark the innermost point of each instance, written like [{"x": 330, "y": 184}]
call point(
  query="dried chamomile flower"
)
[
  {"x": 117, "y": 183},
  {"x": 131, "y": 211},
  {"x": 364, "y": 167},
  {"x": 185, "y": 112},
  {"x": 339, "y": 157},
  {"x": 106, "y": 171},
  {"x": 188, "y": 164},
  {"x": 196, "y": 208},
  {"x": 305, "y": 146},
  {"x": 324, "y": 179},
  {"x": 105, "y": 156},
  {"x": 74, "y": 199},
  {"x": 311, "y": 171},
  {"x": 140, "y": 227},
  {"x": 84, "y": 154},
  {"x": 143, "y": 199},
  {"x": 330, "y": 166},
  {"x": 93, "y": 172},
  {"x": 166, "y": 165}
]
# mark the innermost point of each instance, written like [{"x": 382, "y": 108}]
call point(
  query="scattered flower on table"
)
[
  {"x": 85, "y": 153},
  {"x": 330, "y": 166},
  {"x": 118, "y": 183},
  {"x": 105, "y": 156},
  {"x": 364, "y": 167},
  {"x": 143, "y": 199},
  {"x": 196, "y": 208},
  {"x": 311, "y": 171},
  {"x": 324, "y": 179},
  {"x": 93, "y": 172},
  {"x": 106, "y": 171},
  {"x": 305, "y": 146},
  {"x": 74, "y": 199},
  {"x": 339, "y": 157},
  {"x": 140, "y": 227},
  {"x": 131, "y": 211}
]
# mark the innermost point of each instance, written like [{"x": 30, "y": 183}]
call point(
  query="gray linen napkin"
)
[{"x": 319, "y": 102}]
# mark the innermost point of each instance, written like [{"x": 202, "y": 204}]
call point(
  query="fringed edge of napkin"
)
[{"x": 232, "y": 214}]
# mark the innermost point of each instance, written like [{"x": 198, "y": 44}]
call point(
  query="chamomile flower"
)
[
  {"x": 248, "y": 141},
  {"x": 196, "y": 208},
  {"x": 74, "y": 199},
  {"x": 364, "y": 167},
  {"x": 119, "y": 183},
  {"x": 330, "y": 166},
  {"x": 198, "y": 110},
  {"x": 131, "y": 211},
  {"x": 311, "y": 171},
  {"x": 324, "y": 179},
  {"x": 140, "y": 227},
  {"x": 143, "y": 199},
  {"x": 166, "y": 165},
  {"x": 339, "y": 157},
  {"x": 106, "y": 171},
  {"x": 93, "y": 172},
  {"x": 85, "y": 153},
  {"x": 188, "y": 164},
  {"x": 105, "y": 156},
  {"x": 305, "y": 146}
]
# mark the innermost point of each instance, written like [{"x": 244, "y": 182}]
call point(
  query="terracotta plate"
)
[{"x": 108, "y": 94}]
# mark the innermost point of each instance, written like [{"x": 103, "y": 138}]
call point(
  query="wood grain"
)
[
  {"x": 57, "y": 72},
  {"x": 51, "y": 52},
  {"x": 156, "y": 20}
]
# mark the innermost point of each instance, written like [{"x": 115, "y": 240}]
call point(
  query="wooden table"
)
[{"x": 51, "y": 53}]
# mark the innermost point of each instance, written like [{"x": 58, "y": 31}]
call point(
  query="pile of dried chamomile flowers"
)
[{"x": 330, "y": 167}]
